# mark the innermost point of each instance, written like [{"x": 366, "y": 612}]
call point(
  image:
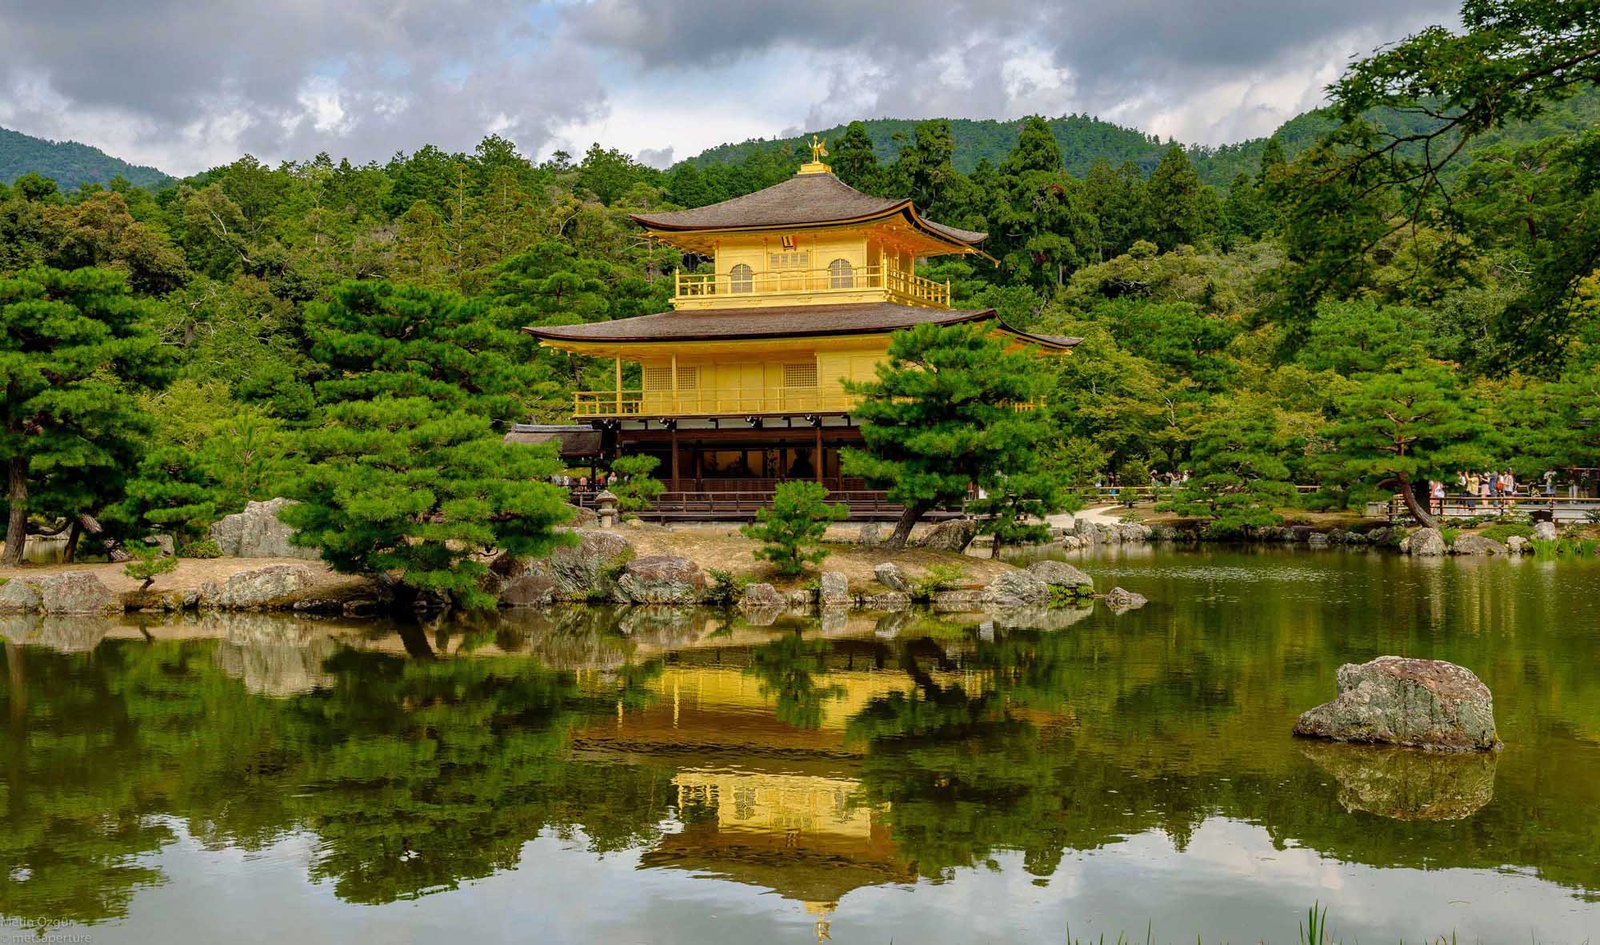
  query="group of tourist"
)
[
  {"x": 582, "y": 483},
  {"x": 1487, "y": 487}
]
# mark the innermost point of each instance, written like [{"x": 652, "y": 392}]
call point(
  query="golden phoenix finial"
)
[{"x": 819, "y": 149}]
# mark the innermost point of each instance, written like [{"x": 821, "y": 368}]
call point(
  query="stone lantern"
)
[{"x": 605, "y": 504}]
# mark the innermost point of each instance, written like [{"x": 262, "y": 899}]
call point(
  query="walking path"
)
[{"x": 1099, "y": 515}]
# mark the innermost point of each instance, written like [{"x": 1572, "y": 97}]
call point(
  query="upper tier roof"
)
[
  {"x": 802, "y": 200},
  {"x": 777, "y": 322}
]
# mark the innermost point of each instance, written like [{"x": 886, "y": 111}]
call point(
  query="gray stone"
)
[
  {"x": 1133, "y": 533},
  {"x": 889, "y": 576},
  {"x": 1401, "y": 701},
  {"x": 585, "y": 571},
  {"x": 583, "y": 517},
  {"x": 1321, "y": 539},
  {"x": 74, "y": 592},
  {"x": 1062, "y": 575},
  {"x": 1545, "y": 531},
  {"x": 661, "y": 579},
  {"x": 835, "y": 590},
  {"x": 889, "y": 600},
  {"x": 869, "y": 533},
  {"x": 1477, "y": 545},
  {"x": 1121, "y": 600},
  {"x": 257, "y": 533},
  {"x": 162, "y": 543},
  {"x": 954, "y": 535},
  {"x": 18, "y": 597},
  {"x": 1516, "y": 545},
  {"x": 1015, "y": 589},
  {"x": 1424, "y": 543},
  {"x": 528, "y": 590},
  {"x": 801, "y": 598},
  {"x": 274, "y": 586},
  {"x": 272, "y": 656},
  {"x": 762, "y": 597}
]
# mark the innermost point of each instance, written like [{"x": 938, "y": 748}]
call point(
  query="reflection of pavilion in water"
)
[{"x": 764, "y": 803}]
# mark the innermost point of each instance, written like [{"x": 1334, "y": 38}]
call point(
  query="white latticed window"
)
[
  {"x": 841, "y": 275},
  {"x": 800, "y": 375},
  {"x": 741, "y": 278},
  {"x": 792, "y": 260}
]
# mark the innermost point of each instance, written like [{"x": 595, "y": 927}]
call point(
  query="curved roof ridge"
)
[{"x": 802, "y": 200}]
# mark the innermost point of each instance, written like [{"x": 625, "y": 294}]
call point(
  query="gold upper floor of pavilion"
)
[{"x": 812, "y": 239}]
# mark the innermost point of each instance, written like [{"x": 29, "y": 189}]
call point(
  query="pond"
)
[{"x": 588, "y": 775}]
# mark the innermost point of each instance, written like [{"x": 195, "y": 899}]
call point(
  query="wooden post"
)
[
  {"x": 619, "y": 386},
  {"x": 675, "y": 458},
  {"x": 817, "y": 463},
  {"x": 675, "y": 409}
]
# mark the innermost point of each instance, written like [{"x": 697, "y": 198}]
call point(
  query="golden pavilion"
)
[{"x": 741, "y": 384}]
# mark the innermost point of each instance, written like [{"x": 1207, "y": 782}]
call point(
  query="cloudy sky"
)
[{"x": 187, "y": 84}]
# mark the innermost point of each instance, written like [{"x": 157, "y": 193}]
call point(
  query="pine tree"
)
[
  {"x": 74, "y": 347},
  {"x": 854, "y": 161},
  {"x": 943, "y": 415}
]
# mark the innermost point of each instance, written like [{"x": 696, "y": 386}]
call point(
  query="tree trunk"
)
[
  {"x": 1409, "y": 497},
  {"x": 902, "y": 528},
  {"x": 73, "y": 535},
  {"x": 17, "y": 524}
]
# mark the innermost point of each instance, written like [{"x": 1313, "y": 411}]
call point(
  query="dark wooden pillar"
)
[
  {"x": 675, "y": 487},
  {"x": 817, "y": 459}
]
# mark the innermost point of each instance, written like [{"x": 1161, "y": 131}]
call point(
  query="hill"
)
[
  {"x": 1084, "y": 139},
  {"x": 68, "y": 163}
]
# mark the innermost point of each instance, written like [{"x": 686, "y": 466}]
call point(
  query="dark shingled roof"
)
[
  {"x": 802, "y": 200},
  {"x": 574, "y": 441},
  {"x": 776, "y": 322}
]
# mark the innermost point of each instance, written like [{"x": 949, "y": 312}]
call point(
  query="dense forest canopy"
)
[
  {"x": 1243, "y": 330},
  {"x": 68, "y": 163}
]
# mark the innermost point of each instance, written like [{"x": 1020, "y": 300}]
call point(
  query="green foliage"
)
[
  {"x": 1408, "y": 426},
  {"x": 68, "y": 163},
  {"x": 200, "y": 549},
  {"x": 1238, "y": 476},
  {"x": 949, "y": 409},
  {"x": 1506, "y": 530},
  {"x": 74, "y": 347},
  {"x": 147, "y": 564},
  {"x": 634, "y": 485},
  {"x": 726, "y": 588},
  {"x": 791, "y": 529},
  {"x": 938, "y": 577},
  {"x": 399, "y": 486}
]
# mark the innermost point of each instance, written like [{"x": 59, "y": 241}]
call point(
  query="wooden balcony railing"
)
[
  {"x": 898, "y": 285},
  {"x": 709, "y": 402}
]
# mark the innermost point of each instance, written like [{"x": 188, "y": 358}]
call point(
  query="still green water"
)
[{"x": 598, "y": 776}]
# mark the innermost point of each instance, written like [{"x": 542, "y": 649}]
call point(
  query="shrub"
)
[
  {"x": 1506, "y": 530},
  {"x": 726, "y": 587},
  {"x": 791, "y": 530},
  {"x": 633, "y": 485},
  {"x": 939, "y": 577},
  {"x": 147, "y": 563},
  {"x": 1449, "y": 534},
  {"x": 200, "y": 549}
]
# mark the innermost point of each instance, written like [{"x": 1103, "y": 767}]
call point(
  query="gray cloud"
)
[{"x": 185, "y": 84}]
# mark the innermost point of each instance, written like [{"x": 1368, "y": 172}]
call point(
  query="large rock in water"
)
[
  {"x": 1063, "y": 575},
  {"x": 269, "y": 588},
  {"x": 1424, "y": 543},
  {"x": 257, "y": 533},
  {"x": 888, "y": 574},
  {"x": 1477, "y": 545},
  {"x": 1399, "y": 701},
  {"x": 1545, "y": 531},
  {"x": 65, "y": 592},
  {"x": 1122, "y": 600},
  {"x": 661, "y": 579},
  {"x": 586, "y": 571},
  {"x": 1016, "y": 589},
  {"x": 834, "y": 589},
  {"x": 954, "y": 535}
]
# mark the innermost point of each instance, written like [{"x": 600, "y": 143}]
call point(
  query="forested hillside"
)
[
  {"x": 68, "y": 163},
  {"x": 1255, "y": 334},
  {"x": 1083, "y": 140}
]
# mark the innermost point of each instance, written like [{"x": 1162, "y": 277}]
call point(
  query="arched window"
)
[
  {"x": 742, "y": 278},
  {"x": 841, "y": 275}
]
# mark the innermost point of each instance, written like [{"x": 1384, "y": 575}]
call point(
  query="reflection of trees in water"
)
[
  {"x": 414, "y": 774},
  {"x": 423, "y": 773},
  {"x": 788, "y": 668}
]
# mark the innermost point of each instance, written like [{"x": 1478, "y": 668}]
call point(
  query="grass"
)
[
  {"x": 1564, "y": 547},
  {"x": 1315, "y": 930},
  {"x": 1505, "y": 530}
]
